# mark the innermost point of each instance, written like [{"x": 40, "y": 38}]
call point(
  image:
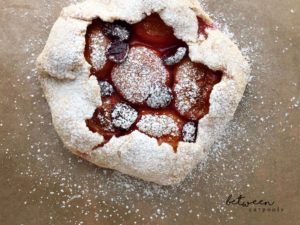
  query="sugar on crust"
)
[{"x": 74, "y": 95}]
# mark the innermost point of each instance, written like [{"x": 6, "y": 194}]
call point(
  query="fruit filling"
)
[
  {"x": 134, "y": 77},
  {"x": 147, "y": 81}
]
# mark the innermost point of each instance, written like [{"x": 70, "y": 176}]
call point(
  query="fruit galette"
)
[{"x": 141, "y": 86}]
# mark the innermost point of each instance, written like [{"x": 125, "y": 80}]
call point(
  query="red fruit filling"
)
[
  {"x": 147, "y": 81},
  {"x": 154, "y": 31},
  {"x": 193, "y": 84},
  {"x": 134, "y": 77}
]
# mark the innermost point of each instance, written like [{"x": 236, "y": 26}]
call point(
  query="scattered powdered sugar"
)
[
  {"x": 97, "y": 48},
  {"x": 116, "y": 31},
  {"x": 104, "y": 117},
  {"x": 186, "y": 87},
  {"x": 105, "y": 121},
  {"x": 134, "y": 77},
  {"x": 41, "y": 176},
  {"x": 123, "y": 116},
  {"x": 106, "y": 89},
  {"x": 174, "y": 59},
  {"x": 160, "y": 96},
  {"x": 189, "y": 132},
  {"x": 158, "y": 125}
]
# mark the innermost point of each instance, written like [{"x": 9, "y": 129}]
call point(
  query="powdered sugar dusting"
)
[
  {"x": 158, "y": 125},
  {"x": 186, "y": 87},
  {"x": 40, "y": 176},
  {"x": 106, "y": 89},
  {"x": 104, "y": 117},
  {"x": 97, "y": 48},
  {"x": 116, "y": 31},
  {"x": 189, "y": 132},
  {"x": 160, "y": 96},
  {"x": 123, "y": 116},
  {"x": 135, "y": 76},
  {"x": 179, "y": 55}
]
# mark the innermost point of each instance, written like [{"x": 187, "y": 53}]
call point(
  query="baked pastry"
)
[{"x": 141, "y": 86}]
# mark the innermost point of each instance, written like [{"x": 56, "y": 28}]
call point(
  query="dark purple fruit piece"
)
[
  {"x": 104, "y": 120},
  {"x": 116, "y": 31},
  {"x": 123, "y": 116},
  {"x": 176, "y": 58},
  {"x": 160, "y": 96},
  {"x": 106, "y": 89},
  {"x": 189, "y": 132},
  {"x": 117, "y": 51}
]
